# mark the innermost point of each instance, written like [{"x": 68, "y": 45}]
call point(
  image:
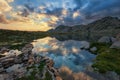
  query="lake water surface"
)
[{"x": 73, "y": 62}]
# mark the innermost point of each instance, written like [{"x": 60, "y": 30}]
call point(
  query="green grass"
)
[
  {"x": 107, "y": 59},
  {"x": 100, "y": 47},
  {"x": 15, "y": 39}
]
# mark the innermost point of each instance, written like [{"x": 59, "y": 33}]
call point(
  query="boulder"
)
[
  {"x": 93, "y": 49},
  {"x": 107, "y": 39},
  {"x": 115, "y": 45}
]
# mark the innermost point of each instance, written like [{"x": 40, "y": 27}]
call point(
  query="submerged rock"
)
[
  {"x": 85, "y": 45},
  {"x": 93, "y": 49}
]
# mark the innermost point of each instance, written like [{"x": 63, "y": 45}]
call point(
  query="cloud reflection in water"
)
[{"x": 67, "y": 53}]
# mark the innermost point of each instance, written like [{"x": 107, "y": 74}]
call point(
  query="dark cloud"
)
[
  {"x": 56, "y": 11},
  {"x": 90, "y": 9},
  {"x": 95, "y": 6},
  {"x": 25, "y": 13},
  {"x": 95, "y": 9}
]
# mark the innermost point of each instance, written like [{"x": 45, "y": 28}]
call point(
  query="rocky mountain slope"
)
[{"x": 106, "y": 23}]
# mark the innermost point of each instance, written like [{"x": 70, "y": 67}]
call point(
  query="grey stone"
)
[
  {"x": 93, "y": 49},
  {"x": 107, "y": 39},
  {"x": 115, "y": 45}
]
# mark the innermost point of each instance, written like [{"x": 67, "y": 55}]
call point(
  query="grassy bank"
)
[
  {"x": 16, "y": 39},
  {"x": 107, "y": 59}
]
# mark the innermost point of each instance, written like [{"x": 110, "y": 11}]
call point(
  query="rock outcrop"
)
[
  {"x": 107, "y": 39},
  {"x": 15, "y": 64},
  {"x": 106, "y": 23}
]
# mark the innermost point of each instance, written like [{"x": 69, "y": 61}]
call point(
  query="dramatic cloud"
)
[
  {"x": 51, "y": 13},
  {"x": 76, "y": 14},
  {"x": 4, "y": 6}
]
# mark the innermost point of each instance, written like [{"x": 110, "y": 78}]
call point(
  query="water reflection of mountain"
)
[{"x": 78, "y": 36}]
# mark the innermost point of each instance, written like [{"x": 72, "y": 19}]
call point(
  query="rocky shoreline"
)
[{"x": 15, "y": 65}]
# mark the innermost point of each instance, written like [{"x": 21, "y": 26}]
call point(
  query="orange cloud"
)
[
  {"x": 3, "y": 19},
  {"x": 34, "y": 22},
  {"x": 4, "y": 6},
  {"x": 22, "y": 26}
]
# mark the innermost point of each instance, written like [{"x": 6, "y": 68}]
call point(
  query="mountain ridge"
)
[{"x": 106, "y": 23}]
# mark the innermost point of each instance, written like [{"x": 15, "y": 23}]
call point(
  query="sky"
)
[{"x": 42, "y": 15}]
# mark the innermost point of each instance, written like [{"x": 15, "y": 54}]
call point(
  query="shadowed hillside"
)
[{"x": 104, "y": 25}]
